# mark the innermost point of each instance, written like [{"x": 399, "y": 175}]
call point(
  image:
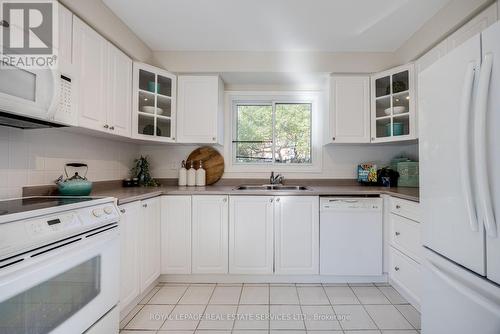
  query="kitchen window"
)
[{"x": 272, "y": 132}]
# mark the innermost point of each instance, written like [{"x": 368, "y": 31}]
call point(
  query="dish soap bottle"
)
[
  {"x": 183, "y": 174},
  {"x": 200, "y": 175},
  {"x": 191, "y": 175}
]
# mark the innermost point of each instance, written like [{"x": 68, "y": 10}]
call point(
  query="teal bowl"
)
[
  {"x": 153, "y": 87},
  {"x": 397, "y": 129}
]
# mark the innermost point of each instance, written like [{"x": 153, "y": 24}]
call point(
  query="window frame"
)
[{"x": 233, "y": 99}]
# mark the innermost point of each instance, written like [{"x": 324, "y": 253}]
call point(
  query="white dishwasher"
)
[{"x": 351, "y": 236}]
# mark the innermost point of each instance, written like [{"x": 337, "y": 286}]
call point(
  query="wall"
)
[
  {"x": 339, "y": 161},
  {"x": 37, "y": 157},
  {"x": 446, "y": 21},
  {"x": 101, "y": 18}
]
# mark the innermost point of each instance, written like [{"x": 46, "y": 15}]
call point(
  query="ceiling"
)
[{"x": 275, "y": 25}]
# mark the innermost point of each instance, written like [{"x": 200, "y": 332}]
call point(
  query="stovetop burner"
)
[{"x": 35, "y": 203}]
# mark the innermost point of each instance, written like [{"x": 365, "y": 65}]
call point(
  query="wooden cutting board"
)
[{"x": 213, "y": 162}]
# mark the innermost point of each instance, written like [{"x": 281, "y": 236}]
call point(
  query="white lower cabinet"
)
[
  {"x": 296, "y": 235},
  {"x": 176, "y": 235},
  {"x": 405, "y": 248},
  {"x": 140, "y": 249},
  {"x": 150, "y": 242},
  {"x": 130, "y": 222},
  {"x": 210, "y": 235},
  {"x": 251, "y": 234}
]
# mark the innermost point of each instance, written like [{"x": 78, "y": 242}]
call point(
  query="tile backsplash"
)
[{"x": 37, "y": 157}]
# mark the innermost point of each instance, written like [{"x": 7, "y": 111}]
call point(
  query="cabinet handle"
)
[
  {"x": 277, "y": 199},
  {"x": 397, "y": 234},
  {"x": 398, "y": 206},
  {"x": 213, "y": 138},
  {"x": 111, "y": 127},
  {"x": 145, "y": 205},
  {"x": 224, "y": 200},
  {"x": 122, "y": 210},
  {"x": 396, "y": 268},
  {"x": 373, "y": 138},
  {"x": 333, "y": 138},
  {"x": 173, "y": 138},
  {"x": 271, "y": 200},
  {"x": 106, "y": 126}
]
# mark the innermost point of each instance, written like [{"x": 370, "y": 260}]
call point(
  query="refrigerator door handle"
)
[
  {"x": 464, "y": 142},
  {"x": 485, "y": 208},
  {"x": 464, "y": 289}
]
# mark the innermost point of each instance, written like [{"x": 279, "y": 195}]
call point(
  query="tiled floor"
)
[{"x": 272, "y": 308}]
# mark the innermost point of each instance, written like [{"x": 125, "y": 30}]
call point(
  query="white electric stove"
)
[{"x": 59, "y": 265}]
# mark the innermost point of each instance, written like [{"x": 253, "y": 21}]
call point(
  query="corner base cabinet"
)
[
  {"x": 140, "y": 249},
  {"x": 150, "y": 242}
]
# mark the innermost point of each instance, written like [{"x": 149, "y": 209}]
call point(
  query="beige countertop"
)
[{"x": 127, "y": 195}]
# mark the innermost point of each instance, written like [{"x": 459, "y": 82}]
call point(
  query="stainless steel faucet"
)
[{"x": 278, "y": 179}]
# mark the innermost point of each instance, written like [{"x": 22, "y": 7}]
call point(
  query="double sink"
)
[{"x": 272, "y": 187}]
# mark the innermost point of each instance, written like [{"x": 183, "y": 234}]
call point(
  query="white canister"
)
[
  {"x": 191, "y": 175},
  {"x": 183, "y": 174},
  {"x": 200, "y": 175}
]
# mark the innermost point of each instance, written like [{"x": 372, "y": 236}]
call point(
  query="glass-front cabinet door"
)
[
  {"x": 393, "y": 105},
  {"x": 154, "y": 103}
]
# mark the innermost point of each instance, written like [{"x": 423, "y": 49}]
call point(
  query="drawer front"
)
[
  {"x": 406, "y": 272},
  {"x": 407, "y": 209},
  {"x": 405, "y": 235}
]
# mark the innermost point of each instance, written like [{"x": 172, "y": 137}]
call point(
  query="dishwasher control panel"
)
[{"x": 361, "y": 203}]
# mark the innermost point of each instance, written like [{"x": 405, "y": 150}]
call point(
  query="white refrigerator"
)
[{"x": 459, "y": 138}]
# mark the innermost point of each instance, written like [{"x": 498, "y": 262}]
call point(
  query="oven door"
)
[
  {"x": 61, "y": 290},
  {"x": 31, "y": 93}
]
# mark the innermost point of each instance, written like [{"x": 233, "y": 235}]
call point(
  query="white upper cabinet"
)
[
  {"x": 349, "y": 109},
  {"x": 103, "y": 73},
  {"x": 150, "y": 248},
  {"x": 251, "y": 234},
  {"x": 120, "y": 95},
  {"x": 90, "y": 50},
  {"x": 176, "y": 235},
  {"x": 296, "y": 235},
  {"x": 65, "y": 52},
  {"x": 154, "y": 103},
  {"x": 200, "y": 109},
  {"x": 210, "y": 235},
  {"x": 393, "y": 105}
]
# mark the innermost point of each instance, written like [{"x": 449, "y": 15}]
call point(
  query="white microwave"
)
[{"x": 34, "y": 98}]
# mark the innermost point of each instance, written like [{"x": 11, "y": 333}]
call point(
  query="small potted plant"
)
[{"x": 141, "y": 172}]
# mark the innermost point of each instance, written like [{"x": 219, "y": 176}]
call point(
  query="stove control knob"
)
[
  {"x": 97, "y": 213},
  {"x": 108, "y": 210}
]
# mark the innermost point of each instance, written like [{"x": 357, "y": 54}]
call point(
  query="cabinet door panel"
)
[
  {"x": 210, "y": 235},
  {"x": 150, "y": 246},
  {"x": 251, "y": 235},
  {"x": 120, "y": 99},
  {"x": 350, "y": 109},
  {"x": 90, "y": 50},
  {"x": 296, "y": 220},
  {"x": 130, "y": 223},
  {"x": 176, "y": 235},
  {"x": 198, "y": 103}
]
